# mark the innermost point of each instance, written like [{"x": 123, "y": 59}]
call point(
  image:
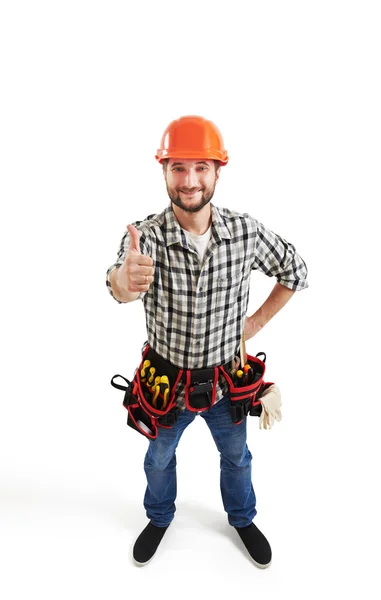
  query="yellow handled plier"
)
[
  {"x": 152, "y": 375},
  {"x": 146, "y": 364},
  {"x": 156, "y": 390},
  {"x": 164, "y": 387}
]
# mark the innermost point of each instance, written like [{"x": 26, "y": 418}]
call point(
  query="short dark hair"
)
[{"x": 216, "y": 164}]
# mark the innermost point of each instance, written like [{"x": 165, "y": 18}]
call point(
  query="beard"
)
[{"x": 207, "y": 195}]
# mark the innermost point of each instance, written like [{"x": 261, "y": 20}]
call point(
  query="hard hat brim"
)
[{"x": 204, "y": 154}]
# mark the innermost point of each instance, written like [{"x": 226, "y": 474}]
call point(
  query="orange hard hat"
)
[{"x": 192, "y": 137}]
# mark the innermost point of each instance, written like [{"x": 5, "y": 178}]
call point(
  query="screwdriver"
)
[
  {"x": 249, "y": 374},
  {"x": 239, "y": 375}
]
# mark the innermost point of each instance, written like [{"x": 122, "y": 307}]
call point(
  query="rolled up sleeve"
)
[{"x": 275, "y": 257}]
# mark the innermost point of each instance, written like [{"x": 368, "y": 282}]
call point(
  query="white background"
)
[{"x": 87, "y": 91}]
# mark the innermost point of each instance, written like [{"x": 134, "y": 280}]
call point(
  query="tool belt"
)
[{"x": 150, "y": 398}]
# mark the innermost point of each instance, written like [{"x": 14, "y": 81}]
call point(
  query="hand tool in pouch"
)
[{"x": 246, "y": 385}]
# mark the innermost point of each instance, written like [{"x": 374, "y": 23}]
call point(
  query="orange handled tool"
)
[{"x": 248, "y": 371}]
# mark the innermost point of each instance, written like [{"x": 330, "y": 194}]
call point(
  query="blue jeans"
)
[{"x": 235, "y": 481}]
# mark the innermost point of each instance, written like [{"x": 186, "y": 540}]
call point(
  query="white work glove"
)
[{"x": 271, "y": 403}]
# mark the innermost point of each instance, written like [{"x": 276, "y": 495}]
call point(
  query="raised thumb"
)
[{"x": 134, "y": 239}]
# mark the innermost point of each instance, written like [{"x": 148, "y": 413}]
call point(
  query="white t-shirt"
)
[{"x": 200, "y": 242}]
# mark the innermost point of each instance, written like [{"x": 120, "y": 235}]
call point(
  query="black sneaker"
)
[
  {"x": 147, "y": 544},
  {"x": 256, "y": 544}
]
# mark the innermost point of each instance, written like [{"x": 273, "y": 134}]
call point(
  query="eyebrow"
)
[{"x": 200, "y": 162}]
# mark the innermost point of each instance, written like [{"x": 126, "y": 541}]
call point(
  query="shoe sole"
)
[
  {"x": 259, "y": 564},
  {"x": 140, "y": 564}
]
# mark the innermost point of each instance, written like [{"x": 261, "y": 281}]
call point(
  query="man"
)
[{"x": 191, "y": 266}]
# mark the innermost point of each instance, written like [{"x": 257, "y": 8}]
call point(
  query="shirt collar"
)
[{"x": 172, "y": 232}]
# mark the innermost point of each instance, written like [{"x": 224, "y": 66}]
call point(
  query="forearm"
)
[
  {"x": 119, "y": 293},
  {"x": 279, "y": 296}
]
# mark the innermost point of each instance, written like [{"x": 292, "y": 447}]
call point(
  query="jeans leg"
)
[
  {"x": 237, "y": 490},
  {"x": 160, "y": 470}
]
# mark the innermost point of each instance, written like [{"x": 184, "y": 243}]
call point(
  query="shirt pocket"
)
[
  {"x": 228, "y": 283},
  {"x": 226, "y": 298}
]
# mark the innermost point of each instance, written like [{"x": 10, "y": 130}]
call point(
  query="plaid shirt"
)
[{"x": 195, "y": 313}]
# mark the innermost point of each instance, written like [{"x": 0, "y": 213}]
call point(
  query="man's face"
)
[{"x": 190, "y": 182}]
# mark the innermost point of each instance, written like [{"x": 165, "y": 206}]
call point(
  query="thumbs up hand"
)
[
  {"x": 136, "y": 273},
  {"x": 134, "y": 246}
]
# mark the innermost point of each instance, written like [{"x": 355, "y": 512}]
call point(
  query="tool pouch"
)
[
  {"x": 245, "y": 400},
  {"x": 137, "y": 418},
  {"x": 145, "y": 414},
  {"x": 200, "y": 388}
]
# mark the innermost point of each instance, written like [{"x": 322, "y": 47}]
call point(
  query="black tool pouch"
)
[
  {"x": 145, "y": 412},
  {"x": 245, "y": 400},
  {"x": 137, "y": 418},
  {"x": 200, "y": 388}
]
